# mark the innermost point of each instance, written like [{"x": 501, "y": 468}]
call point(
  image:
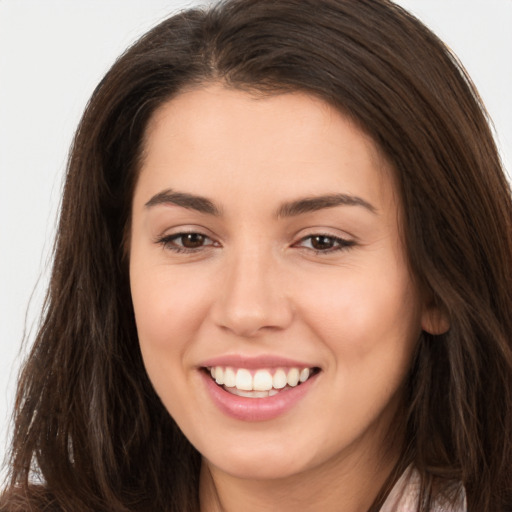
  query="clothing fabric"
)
[{"x": 404, "y": 496}]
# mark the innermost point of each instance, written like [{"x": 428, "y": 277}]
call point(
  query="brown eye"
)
[
  {"x": 325, "y": 243},
  {"x": 186, "y": 242},
  {"x": 322, "y": 243},
  {"x": 192, "y": 240}
]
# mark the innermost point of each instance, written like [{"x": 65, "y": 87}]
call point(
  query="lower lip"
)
[{"x": 255, "y": 409}]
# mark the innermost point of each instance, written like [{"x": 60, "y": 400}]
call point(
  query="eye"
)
[
  {"x": 191, "y": 240},
  {"x": 325, "y": 243},
  {"x": 186, "y": 242}
]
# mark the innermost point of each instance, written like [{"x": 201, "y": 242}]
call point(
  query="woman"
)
[{"x": 282, "y": 277}]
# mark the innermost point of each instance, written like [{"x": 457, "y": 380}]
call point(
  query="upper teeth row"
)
[{"x": 263, "y": 380}]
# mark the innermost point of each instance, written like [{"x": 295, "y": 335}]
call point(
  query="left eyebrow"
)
[
  {"x": 312, "y": 204},
  {"x": 189, "y": 201}
]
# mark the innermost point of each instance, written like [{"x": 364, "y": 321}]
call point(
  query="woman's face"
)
[{"x": 265, "y": 250}]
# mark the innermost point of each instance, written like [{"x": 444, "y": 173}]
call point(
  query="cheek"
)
[
  {"x": 364, "y": 316},
  {"x": 370, "y": 327},
  {"x": 165, "y": 303},
  {"x": 170, "y": 308},
  {"x": 169, "y": 311}
]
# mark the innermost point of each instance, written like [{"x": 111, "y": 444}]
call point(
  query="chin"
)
[
  {"x": 260, "y": 460},
  {"x": 269, "y": 469}
]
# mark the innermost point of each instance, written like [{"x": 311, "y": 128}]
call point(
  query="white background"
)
[{"x": 52, "y": 55}]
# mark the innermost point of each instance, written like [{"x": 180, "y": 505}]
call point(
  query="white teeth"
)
[
  {"x": 243, "y": 380},
  {"x": 263, "y": 381},
  {"x": 219, "y": 375},
  {"x": 249, "y": 394},
  {"x": 293, "y": 377},
  {"x": 304, "y": 375},
  {"x": 229, "y": 378},
  {"x": 279, "y": 379}
]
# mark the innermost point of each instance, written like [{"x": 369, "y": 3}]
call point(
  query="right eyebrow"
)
[{"x": 189, "y": 201}]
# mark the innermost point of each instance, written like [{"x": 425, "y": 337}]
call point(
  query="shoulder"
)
[{"x": 405, "y": 495}]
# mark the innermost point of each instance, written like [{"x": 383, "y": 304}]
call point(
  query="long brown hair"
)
[{"x": 88, "y": 425}]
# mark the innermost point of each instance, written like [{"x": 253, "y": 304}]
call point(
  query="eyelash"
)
[
  {"x": 339, "y": 244},
  {"x": 168, "y": 242}
]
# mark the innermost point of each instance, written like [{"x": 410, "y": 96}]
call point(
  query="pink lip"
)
[
  {"x": 266, "y": 361},
  {"x": 255, "y": 409}
]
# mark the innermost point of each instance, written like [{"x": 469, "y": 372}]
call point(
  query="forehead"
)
[{"x": 210, "y": 138}]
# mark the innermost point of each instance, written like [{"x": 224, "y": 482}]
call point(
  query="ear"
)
[{"x": 434, "y": 320}]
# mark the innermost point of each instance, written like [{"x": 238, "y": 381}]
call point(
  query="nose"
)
[{"x": 252, "y": 297}]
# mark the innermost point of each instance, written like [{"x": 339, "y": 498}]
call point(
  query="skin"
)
[{"x": 255, "y": 285}]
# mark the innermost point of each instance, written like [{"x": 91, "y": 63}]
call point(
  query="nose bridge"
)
[{"x": 252, "y": 297}]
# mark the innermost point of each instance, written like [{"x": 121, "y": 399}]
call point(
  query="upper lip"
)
[{"x": 252, "y": 362}]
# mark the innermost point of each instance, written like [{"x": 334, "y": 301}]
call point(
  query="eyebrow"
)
[
  {"x": 288, "y": 209},
  {"x": 315, "y": 203},
  {"x": 189, "y": 201}
]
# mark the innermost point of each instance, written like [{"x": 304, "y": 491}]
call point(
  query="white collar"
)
[{"x": 404, "y": 496}]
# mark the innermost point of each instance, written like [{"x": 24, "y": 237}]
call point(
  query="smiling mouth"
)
[{"x": 261, "y": 383}]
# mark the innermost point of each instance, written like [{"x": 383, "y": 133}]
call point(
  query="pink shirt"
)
[{"x": 405, "y": 494}]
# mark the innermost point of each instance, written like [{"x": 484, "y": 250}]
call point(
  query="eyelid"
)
[
  {"x": 167, "y": 240},
  {"x": 177, "y": 236},
  {"x": 183, "y": 229},
  {"x": 342, "y": 243}
]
